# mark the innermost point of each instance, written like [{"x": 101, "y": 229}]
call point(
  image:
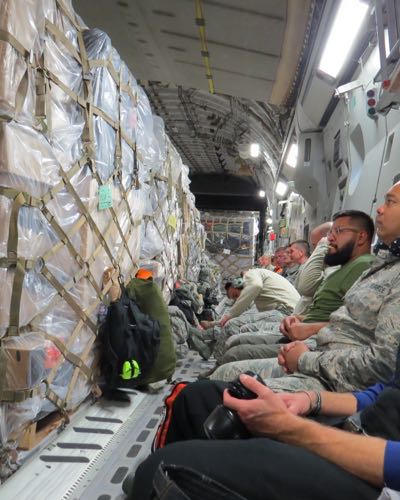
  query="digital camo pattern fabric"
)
[
  {"x": 250, "y": 321},
  {"x": 359, "y": 346}
]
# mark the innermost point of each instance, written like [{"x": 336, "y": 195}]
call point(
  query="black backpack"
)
[
  {"x": 129, "y": 343},
  {"x": 181, "y": 298}
]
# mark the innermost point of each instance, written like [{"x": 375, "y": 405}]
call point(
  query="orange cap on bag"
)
[{"x": 144, "y": 274}]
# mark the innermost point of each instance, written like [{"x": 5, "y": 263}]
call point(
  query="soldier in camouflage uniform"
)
[
  {"x": 273, "y": 296},
  {"x": 181, "y": 330},
  {"x": 349, "y": 252},
  {"x": 249, "y": 321},
  {"x": 361, "y": 342}
]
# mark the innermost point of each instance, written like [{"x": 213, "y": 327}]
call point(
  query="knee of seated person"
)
[
  {"x": 231, "y": 355},
  {"x": 227, "y": 372},
  {"x": 142, "y": 487},
  {"x": 192, "y": 390}
]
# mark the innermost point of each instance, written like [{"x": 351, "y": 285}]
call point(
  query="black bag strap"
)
[{"x": 175, "y": 482}]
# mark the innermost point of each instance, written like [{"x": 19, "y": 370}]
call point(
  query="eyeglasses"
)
[{"x": 338, "y": 230}]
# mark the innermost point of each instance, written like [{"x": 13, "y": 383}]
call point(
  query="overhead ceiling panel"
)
[{"x": 159, "y": 40}]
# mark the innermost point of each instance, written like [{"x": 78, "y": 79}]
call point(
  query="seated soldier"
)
[
  {"x": 272, "y": 295},
  {"x": 289, "y": 456},
  {"x": 265, "y": 262},
  {"x": 279, "y": 260},
  {"x": 348, "y": 249},
  {"x": 314, "y": 271},
  {"x": 297, "y": 254},
  {"x": 360, "y": 344}
]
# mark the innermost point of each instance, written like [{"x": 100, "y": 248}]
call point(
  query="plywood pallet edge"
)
[{"x": 39, "y": 430}]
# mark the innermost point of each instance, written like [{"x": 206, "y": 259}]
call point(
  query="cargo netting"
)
[{"x": 88, "y": 180}]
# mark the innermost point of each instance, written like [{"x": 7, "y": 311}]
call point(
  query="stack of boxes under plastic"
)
[
  {"x": 172, "y": 233},
  {"x": 230, "y": 240},
  {"x": 88, "y": 180}
]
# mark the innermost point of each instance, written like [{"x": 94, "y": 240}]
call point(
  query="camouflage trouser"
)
[
  {"x": 248, "y": 351},
  {"x": 245, "y": 323},
  {"x": 272, "y": 374},
  {"x": 264, "y": 367},
  {"x": 255, "y": 346},
  {"x": 253, "y": 339}
]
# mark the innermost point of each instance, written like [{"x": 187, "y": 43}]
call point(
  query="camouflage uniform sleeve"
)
[
  {"x": 355, "y": 367},
  {"x": 252, "y": 288}
]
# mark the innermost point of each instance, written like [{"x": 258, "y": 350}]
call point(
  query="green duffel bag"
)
[{"x": 149, "y": 297}]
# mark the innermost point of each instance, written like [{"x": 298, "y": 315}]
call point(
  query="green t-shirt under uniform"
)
[{"x": 331, "y": 292}]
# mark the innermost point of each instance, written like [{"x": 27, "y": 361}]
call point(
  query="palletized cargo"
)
[{"x": 88, "y": 180}]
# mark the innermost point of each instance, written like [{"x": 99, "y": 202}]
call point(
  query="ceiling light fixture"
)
[
  {"x": 261, "y": 193},
  {"x": 343, "y": 33},
  {"x": 281, "y": 188},
  {"x": 291, "y": 158},
  {"x": 254, "y": 150}
]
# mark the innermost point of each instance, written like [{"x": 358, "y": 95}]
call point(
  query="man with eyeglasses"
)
[
  {"x": 349, "y": 243},
  {"x": 360, "y": 344},
  {"x": 358, "y": 348}
]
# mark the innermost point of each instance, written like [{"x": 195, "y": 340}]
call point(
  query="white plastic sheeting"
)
[{"x": 88, "y": 180}]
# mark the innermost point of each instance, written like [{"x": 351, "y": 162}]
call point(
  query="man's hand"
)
[
  {"x": 286, "y": 324},
  {"x": 298, "y": 403},
  {"x": 302, "y": 331},
  {"x": 289, "y": 355},
  {"x": 299, "y": 331},
  {"x": 225, "y": 318},
  {"x": 266, "y": 415}
]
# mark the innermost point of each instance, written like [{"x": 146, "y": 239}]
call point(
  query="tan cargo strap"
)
[
  {"x": 118, "y": 139},
  {"x": 59, "y": 35},
  {"x": 90, "y": 220},
  {"x": 57, "y": 401},
  {"x": 162, "y": 178},
  {"x": 68, "y": 297},
  {"x": 99, "y": 112},
  {"x": 68, "y": 15},
  {"x": 5, "y": 36},
  {"x": 105, "y": 63},
  {"x": 41, "y": 90},
  {"x": 84, "y": 57},
  {"x": 129, "y": 141},
  {"x": 115, "y": 218},
  {"x": 70, "y": 356},
  {"x": 127, "y": 89},
  {"x": 76, "y": 373},
  {"x": 18, "y": 396},
  {"x": 12, "y": 253},
  {"x": 75, "y": 97},
  {"x": 28, "y": 264}
]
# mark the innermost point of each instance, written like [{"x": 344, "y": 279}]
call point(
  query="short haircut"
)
[
  {"x": 303, "y": 244},
  {"x": 360, "y": 219},
  {"x": 280, "y": 249},
  {"x": 228, "y": 285}
]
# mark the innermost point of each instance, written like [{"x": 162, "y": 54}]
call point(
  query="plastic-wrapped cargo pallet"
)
[
  {"x": 88, "y": 180},
  {"x": 230, "y": 240}
]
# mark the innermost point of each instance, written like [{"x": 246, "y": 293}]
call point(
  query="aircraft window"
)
[
  {"x": 357, "y": 155},
  {"x": 389, "y": 148},
  {"x": 307, "y": 151}
]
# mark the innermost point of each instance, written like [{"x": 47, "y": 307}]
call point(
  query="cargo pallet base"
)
[{"x": 90, "y": 458}]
